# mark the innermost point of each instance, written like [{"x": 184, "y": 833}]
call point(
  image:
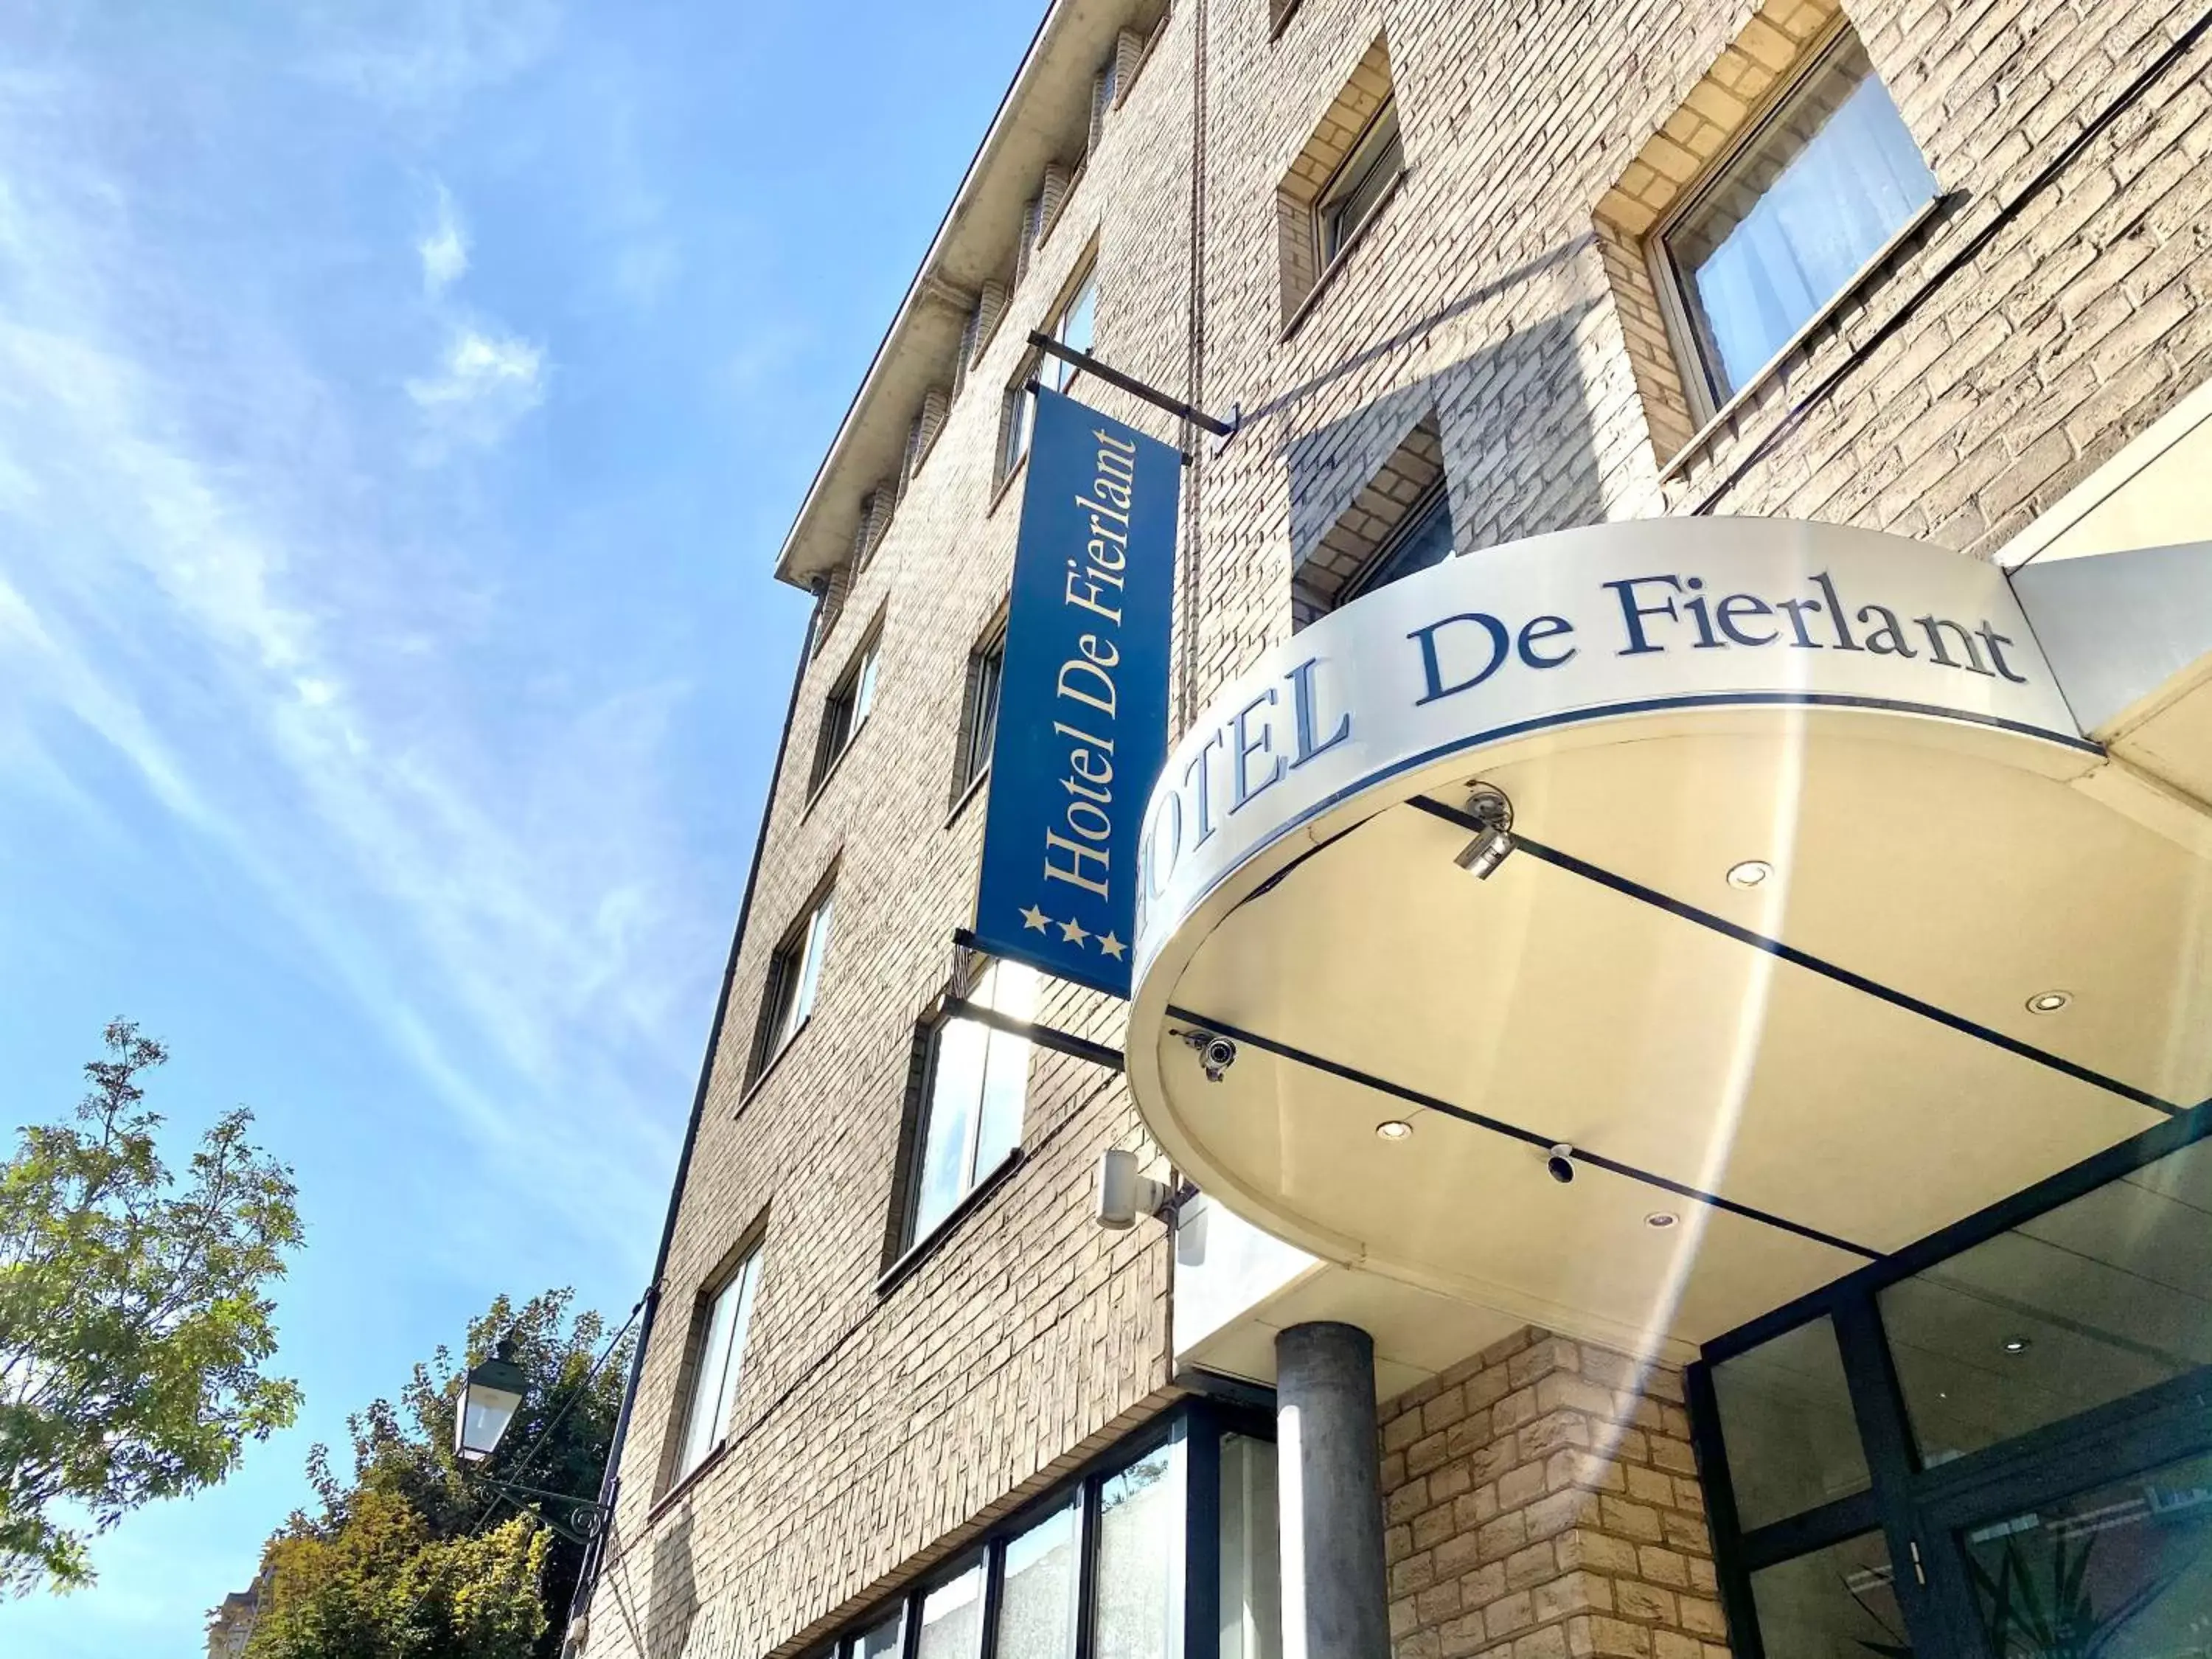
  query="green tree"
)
[
  {"x": 134, "y": 1317},
  {"x": 411, "y": 1556},
  {"x": 379, "y": 1586}
]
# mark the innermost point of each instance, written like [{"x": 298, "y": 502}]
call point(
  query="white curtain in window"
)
[{"x": 1828, "y": 210}]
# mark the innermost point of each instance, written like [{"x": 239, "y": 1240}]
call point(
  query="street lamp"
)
[
  {"x": 489, "y": 1398},
  {"x": 491, "y": 1394}
]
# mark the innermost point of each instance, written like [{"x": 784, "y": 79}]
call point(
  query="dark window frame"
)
[
  {"x": 1377, "y": 159},
  {"x": 1922, "y": 1509},
  {"x": 1200, "y": 1423},
  {"x": 1701, "y": 379},
  {"x": 1436, "y": 498},
  {"x": 1015, "y": 421},
  {"x": 839, "y": 723},
  {"x": 979, "y": 710},
  {"x": 786, "y": 974},
  {"x": 906, "y": 1240}
]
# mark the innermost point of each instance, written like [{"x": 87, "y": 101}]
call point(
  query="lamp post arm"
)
[{"x": 587, "y": 1514}]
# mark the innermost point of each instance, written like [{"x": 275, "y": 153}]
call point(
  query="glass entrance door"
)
[{"x": 2121, "y": 1571}]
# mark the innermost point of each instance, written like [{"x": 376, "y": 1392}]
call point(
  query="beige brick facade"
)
[{"x": 1542, "y": 1502}]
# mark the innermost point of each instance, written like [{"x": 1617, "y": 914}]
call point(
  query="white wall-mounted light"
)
[
  {"x": 1394, "y": 1128},
  {"x": 2049, "y": 1002}
]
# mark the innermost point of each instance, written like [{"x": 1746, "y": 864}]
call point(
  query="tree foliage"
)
[
  {"x": 411, "y": 1556},
  {"x": 134, "y": 1318}
]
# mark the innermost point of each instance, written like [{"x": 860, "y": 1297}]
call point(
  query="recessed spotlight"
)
[
  {"x": 1394, "y": 1128},
  {"x": 1750, "y": 873},
  {"x": 1660, "y": 1220},
  {"x": 2049, "y": 1002},
  {"x": 2015, "y": 1345}
]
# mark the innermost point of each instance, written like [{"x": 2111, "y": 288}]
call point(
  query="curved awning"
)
[{"x": 1820, "y": 929}]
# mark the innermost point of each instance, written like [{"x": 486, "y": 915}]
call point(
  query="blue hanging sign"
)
[{"x": 1083, "y": 705}]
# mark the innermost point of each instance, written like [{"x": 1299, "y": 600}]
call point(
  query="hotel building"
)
[{"x": 1674, "y": 995}]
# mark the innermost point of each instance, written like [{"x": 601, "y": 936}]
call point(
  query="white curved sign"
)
[{"x": 1611, "y": 621}]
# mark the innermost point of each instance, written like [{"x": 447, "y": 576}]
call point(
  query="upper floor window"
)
[
  {"x": 1783, "y": 227},
  {"x": 976, "y": 1086},
  {"x": 793, "y": 975},
  {"x": 1071, "y": 325},
  {"x": 1360, "y": 183},
  {"x": 717, "y": 1356},
  {"x": 847, "y": 709},
  {"x": 987, "y": 667},
  {"x": 1424, "y": 540}
]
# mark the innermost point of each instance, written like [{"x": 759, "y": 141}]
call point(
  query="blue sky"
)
[{"x": 400, "y": 405}]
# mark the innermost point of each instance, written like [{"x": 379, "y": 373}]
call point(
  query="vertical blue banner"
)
[{"x": 1082, "y": 707}]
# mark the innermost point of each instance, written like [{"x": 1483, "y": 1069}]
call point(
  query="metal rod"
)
[
  {"x": 1806, "y": 959},
  {"x": 1414, "y": 1096},
  {"x": 1045, "y": 1036},
  {"x": 1135, "y": 388}
]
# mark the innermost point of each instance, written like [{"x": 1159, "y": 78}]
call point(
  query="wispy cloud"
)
[
  {"x": 196, "y": 581},
  {"x": 444, "y": 248},
  {"x": 486, "y": 384},
  {"x": 418, "y": 57}
]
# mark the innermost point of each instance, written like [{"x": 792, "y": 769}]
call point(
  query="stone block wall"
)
[{"x": 1543, "y": 1503}]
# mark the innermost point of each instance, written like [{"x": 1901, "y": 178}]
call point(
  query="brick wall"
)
[
  {"x": 874, "y": 1428},
  {"x": 1543, "y": 1503}
]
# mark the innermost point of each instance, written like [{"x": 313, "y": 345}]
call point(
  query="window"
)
[
  {"x": 847, "y": 709},
  {"x": 1140, "y": 1550},
  {"x": 1334, "y": 185},
  {"x": 793, "y": 975},
  {"x": 987, "y": 667},
  {"x": 1398, "y": 522},
  {"x": 1360, "y": 183},
  {"x": 1037, "y": 1609},
  {"x": 886, "y": 1640},
  {"x": 2028, "y": 1410},
  {"x": 1071, "y": 325},
  {"x": 952, "y": 1618},
  {"x": 976, "y": 1084},
  {"x": 719, "y": 1356},
  {"x": 1783, "y": 227},
  {"x": 2096, "y": 1299},
  {"x": 1100, "y": 1567},
  {"x": 1786, "y": 1415},
  {"x": 1424, "y": 539}
]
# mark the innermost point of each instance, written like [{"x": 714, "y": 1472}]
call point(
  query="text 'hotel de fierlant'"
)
[{"x": 1584, "y": 1022}]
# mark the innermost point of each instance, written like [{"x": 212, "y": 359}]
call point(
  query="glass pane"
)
[
  {"x": 739, "y": 1293},
  {"x": 955, "y": 1088},
  {"x": 881, "y": 1642},
  {"x": 1836, "y": 1603},
  {"x": 1074, "y": 329},
  {"x": 1825, "y": 183},
  {"x": 810, "y": 969},
  {"x": 1010, "y": 988},
  {"x": 953, "y": 1617},
  {"x": 1037, "y": 1603},
  {"x": 1368, "y": 173},
  {"x": 863, "y": 690},
  {"x": 1426, "y": 541},
  {"x": 2123, "y": 1572},
  {"x": 1020, "y": 412},
  {"x": 700, "y": 1433},
  {"x": 1251, "y": 1594},
  {"x": 1139, "y": 1611},
  {"x": 2101, "y": 1297},
  {"x": 1786, "y": 1419}
]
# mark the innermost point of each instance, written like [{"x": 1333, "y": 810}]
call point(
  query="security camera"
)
[
  {"x": 1560, "y": 1164},
  {"x": 1123, "y": 1194},
  {"x": 1216, "y": 1053}
]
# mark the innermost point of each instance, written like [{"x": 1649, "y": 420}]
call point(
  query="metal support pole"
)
[{"x": 1336, "y": 1595}]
